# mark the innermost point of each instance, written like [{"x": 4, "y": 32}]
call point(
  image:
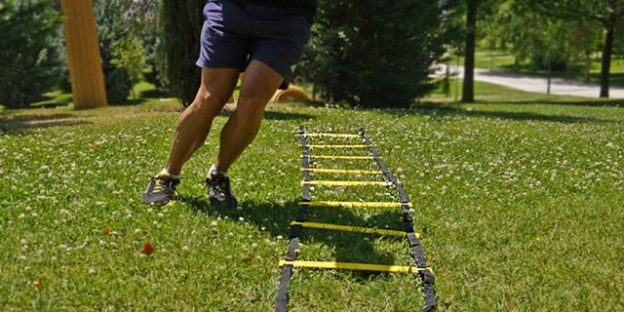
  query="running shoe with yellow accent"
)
[
  {"x": 220, "y": 191},
  {"x": 161, "y": 189}
]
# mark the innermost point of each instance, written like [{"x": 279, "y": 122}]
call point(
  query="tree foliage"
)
[
  {"x": 608, "y": 13},
  {"x": 29, "y": 54},
  {"x": 129, "y": 54},
  {"x": 128, "y": 38},
  {"x": 374, "y": 53},
  {"x": 181, "y": 23},
  {"x": 556, "y": 42}
]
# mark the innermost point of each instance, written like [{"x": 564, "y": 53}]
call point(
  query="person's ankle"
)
[
  {"x": 213, "y": 171},
  {"x": 165, "y": 172}
]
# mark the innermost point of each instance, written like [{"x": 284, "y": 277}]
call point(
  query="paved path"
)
[{"x": 539, "y": 84}]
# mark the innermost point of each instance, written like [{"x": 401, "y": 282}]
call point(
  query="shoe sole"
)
[
  {"x": 148, "y": 201},
  {"x": 225, "y": 204}
]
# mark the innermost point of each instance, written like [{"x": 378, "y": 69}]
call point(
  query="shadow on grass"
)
[
  {"x": 579, "y": 103},
  {"x": 346, "y": 247},
  {"x": 51, "y": 100},
  {"x": 274, "y": 115},
  {"x": 436, "y": 110},
  {"x": 132, "y": 102},
  {"x": 11, "y": 124}
]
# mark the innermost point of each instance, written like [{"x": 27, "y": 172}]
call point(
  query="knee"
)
[
  {"x": 206, "y": 103},
  {"x": 251, "y": 106}
]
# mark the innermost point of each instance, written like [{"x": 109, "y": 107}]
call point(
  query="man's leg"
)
[
  {"x": 193, "y": 127},
  {"x": 194, "y": 123},
  {"x": 260, "y": 83}
]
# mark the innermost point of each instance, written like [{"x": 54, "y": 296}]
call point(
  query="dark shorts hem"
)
[
  {"x": 201, "y": 64},
  {"x": 233, "y": 34}
]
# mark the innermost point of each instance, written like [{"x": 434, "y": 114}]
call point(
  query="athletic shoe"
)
[
  {"x": 160, "y": 190},
  {"x": 219, "y": 190}
]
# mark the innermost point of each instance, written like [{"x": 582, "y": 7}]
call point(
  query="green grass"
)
[
  {"x": 53, "y": 99},
  {"x": 519, "y": 205},
  {"x": 143, "y": 90}
]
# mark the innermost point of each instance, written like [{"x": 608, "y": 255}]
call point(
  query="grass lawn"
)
[{"x": 519, "y": 205}]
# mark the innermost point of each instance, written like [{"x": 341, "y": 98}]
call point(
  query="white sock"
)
[
  {"x": 166, "y": 173},
  {"x": 213, "y": 171}
]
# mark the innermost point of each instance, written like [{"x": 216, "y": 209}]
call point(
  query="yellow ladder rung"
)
[
  {"x": 332, "y": 135},
  {"x": 342, "y": 157},
  {"x": 337, "y": 146},
  {"x": 338, "y": 204},
  {"x": 345, "y": 183},
  {"x": 349, "y": 228},
  {"x": 347, "y": 171},
  {"x": 352, "y": 266}
]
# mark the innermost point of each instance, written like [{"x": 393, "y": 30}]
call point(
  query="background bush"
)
[
  {"x": 373, "y": 53},
  {"x": 126, "y": 29},
  {"x": 181, "y": 23},
  {"x": 29, "y": 51}
]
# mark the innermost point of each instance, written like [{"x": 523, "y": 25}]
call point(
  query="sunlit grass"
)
[{"x": 519, "y": 206}]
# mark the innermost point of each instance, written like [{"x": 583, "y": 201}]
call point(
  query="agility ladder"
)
[{"x": 419, "y": 265}]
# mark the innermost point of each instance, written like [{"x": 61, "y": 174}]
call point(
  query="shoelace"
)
[
  {"x": 220, "y": 185},
  {"x": 162, "y": 184}
]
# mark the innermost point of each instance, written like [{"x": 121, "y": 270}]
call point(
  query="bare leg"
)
[
  {"x": 194, "y": 123},
  {"x": 258, "y": 87}
]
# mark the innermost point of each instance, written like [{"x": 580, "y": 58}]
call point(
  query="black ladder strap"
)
[
  {"x": 426, "y": 276},
  {"x": 281, "y": 304}
]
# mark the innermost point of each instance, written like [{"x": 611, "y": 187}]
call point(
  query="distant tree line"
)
[
  {"x": 362, "y": 53},
  {"x": 547, "y": 34}
]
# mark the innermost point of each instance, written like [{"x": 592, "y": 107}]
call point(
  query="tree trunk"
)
[
  {"x": 457, "y": 80},
  {"x": 588, "y": 62},
  {"x": 83, "y": 54},
  {"x": 549, "y": 77},
  {"x": 605, "y": 72},
  {"x": 469, "y": 60}
]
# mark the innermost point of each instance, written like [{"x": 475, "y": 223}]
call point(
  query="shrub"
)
[
  {"x": 181, "y": 23},
  {"x": 374, "y": 53},
  {"x": 117, "y": 86},
  {"x": 29, "y": 55},
  {"x": 111, "y": 27}
]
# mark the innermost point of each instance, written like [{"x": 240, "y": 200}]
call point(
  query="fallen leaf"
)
[
  {"x": 108, "y": 230},
  {"x": 247, "y": 259},
  {"x": 148, "y": 249}
]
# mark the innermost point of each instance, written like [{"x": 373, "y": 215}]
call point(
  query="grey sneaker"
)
[
  {"x": 160, "y": 190},
  {"x": 219, "y": 190}
]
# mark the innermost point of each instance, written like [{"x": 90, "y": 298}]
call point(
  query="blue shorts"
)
[{"x": 236, "y": 33}]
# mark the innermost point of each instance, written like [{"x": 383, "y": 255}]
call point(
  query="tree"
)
[
  {"x": 181, "y": 24},
  {"x": 606, "y": 12},
  {"x": 112, "y": 27},
  {"x": 129, "y": 54},
  {"x": 472, "y": 7},
  {"x": 555, "y": 44},
  {"x": 374, "y": 53},
  {"x": 469, "y": 50},
  {"x": 29, "y": 57},
  {"x": 127, "y": 32}
]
